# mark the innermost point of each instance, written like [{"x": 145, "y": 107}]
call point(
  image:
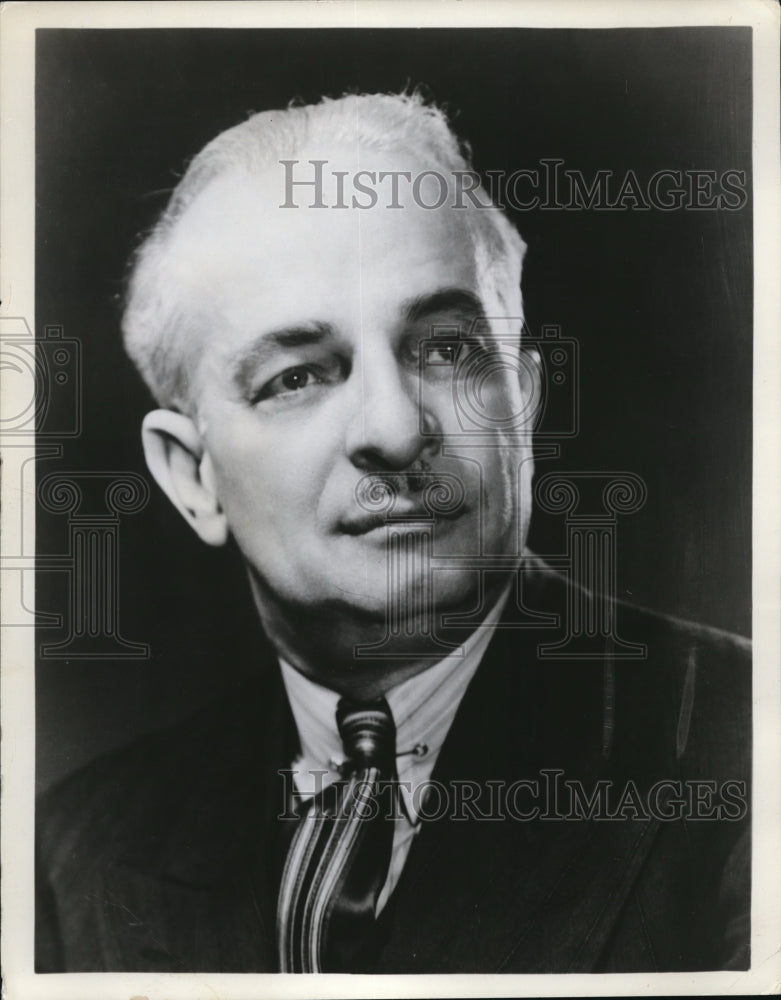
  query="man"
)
[{"x": 329, "y": 316}]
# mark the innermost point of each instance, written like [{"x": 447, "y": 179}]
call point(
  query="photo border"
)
[{"x": 17, "y": 220}]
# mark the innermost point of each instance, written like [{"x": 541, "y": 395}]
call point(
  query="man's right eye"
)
[{"x": 289, "y": 382}]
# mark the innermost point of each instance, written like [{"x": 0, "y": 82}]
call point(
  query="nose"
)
[{"x": 389, "y": 427}]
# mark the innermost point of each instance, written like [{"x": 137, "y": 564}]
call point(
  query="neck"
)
[{"x": 327, "y": 644}]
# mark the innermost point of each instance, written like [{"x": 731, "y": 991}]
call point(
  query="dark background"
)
[{"x": 660, "y": 302}]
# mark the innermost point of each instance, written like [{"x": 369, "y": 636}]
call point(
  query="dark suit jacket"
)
[{"x": 159, "y": 857}]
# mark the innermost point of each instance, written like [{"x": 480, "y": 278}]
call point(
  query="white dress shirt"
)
[{"x": 423, "y": 708}]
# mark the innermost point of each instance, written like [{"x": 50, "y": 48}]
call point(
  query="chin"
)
[
  {"x": 373, "y": 599},
  {"x": 456, "y": 592}
]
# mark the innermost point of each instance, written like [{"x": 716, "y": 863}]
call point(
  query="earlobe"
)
[{"x": 176, "y": 458}]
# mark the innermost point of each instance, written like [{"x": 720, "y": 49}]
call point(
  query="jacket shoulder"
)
[{"x": 667, "y": 691}]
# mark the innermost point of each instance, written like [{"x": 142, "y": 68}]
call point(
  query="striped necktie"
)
[{"x": 338, "y": 859}]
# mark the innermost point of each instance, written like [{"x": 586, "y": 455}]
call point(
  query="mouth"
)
[
  {"x": 413, "y": 499},
  {"x": 409, "y": 514}
]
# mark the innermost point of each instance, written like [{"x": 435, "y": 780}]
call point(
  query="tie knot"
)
[{"x": 368, "y": 734}]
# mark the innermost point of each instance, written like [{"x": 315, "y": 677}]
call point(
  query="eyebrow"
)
[
  {"x": 444, "y": 300},
  {"x": 268, "y": 344},
  {"x": 419, "y": 308}
]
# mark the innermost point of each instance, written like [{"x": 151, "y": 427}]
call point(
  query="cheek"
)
[
  {"x": 273, "y": 478},
  {"x": 484, "y": 395}
]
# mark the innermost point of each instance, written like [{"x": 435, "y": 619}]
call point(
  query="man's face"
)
[{"x": 305, "y": 345}]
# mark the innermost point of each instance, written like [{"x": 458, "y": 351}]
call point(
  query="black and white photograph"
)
[{"x": 390, "y": 539}]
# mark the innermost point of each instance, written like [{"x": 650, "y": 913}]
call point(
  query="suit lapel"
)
[
  {"x": 502, "y": 902},
  {"x": 514, "y": 895},
  {"x": 206, "y": 900}
]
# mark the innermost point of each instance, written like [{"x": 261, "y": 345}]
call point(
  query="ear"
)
[{"x": 176, "y": 458}]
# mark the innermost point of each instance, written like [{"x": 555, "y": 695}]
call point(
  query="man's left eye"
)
[{"x": 442, "y": 354}]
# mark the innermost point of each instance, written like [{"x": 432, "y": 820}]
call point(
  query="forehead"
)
[{"x": 242, "y": 257}]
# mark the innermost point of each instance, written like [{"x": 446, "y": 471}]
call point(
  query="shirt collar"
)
[{"x": 423, "y": 708}]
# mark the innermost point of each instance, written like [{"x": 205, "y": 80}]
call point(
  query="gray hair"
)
[{"x": 152, "y": 323}]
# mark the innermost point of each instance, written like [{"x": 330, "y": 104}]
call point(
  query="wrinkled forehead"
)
[{"x": 303, "y": 241}]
